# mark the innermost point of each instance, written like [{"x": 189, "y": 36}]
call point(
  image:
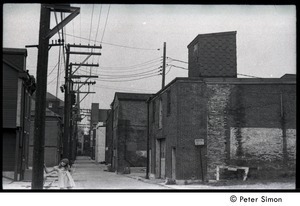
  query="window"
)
[
  {"x": 153, "y": 111},
  {"x": 50, "y": 105},
  {"x": 168, "y": 102},
  {"x": 195, "y": 48},
  {"x": 160, "y": 114}
]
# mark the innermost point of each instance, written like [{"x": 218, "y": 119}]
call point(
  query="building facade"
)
[
  {"x": 129, "y": 131},
  {"x": 18, "y": 86},
  {"x": 212, "y": 118},
  {"x": 198, "y": 124},
  {"x": 53, "y": 137}
]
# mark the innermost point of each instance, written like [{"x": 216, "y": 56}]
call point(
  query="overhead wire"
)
[
  {"x": 145, "y": 77},
  {"x": 117, "y": 45},
  {"x": 133, "y": 66},
  {"x": 128, "y": 76},
  {"x": 130, "y": 70},
  {"x": 105, "y": 24},
  {"x": 172, "y": 59},
  {"x": 91, "y": 23},
  {"x": 178, "y": 67},
  {"x": 58, "y": 75}
]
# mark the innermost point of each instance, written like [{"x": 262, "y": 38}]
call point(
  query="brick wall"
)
[
  {"x": 250, "y": 125},
  {"x": 168, "y": 131},
  {"x": 217, "y": 126},
  {"x": 131, "y": 134}
]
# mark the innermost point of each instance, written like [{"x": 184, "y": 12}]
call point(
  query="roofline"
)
[
  {"x": 211, "y": 34},
  {"x": 13, "y": 66},
  {"x": 226, "y": 80},
  {"x": 14, "y": 51}
]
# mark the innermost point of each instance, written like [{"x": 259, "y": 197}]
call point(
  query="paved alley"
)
[{"x": 90, "y": 175}]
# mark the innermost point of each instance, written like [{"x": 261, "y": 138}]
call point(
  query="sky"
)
[{"x": 132, "y": 38}]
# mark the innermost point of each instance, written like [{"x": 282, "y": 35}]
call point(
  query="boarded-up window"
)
[
  {"x": 168, "y": 102},
  {"x": 153, "y": 111},
  {"x": 160, "y": 114}
]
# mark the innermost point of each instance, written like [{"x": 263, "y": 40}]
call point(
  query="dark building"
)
[
  {"x": 53, "y": 137},
  {"x": 128, "y": 138},
  {"x": 214, "y": 119},
  {"x": 213, "y": 55},
  {"x": 109, "y": 138},
  {"x": 18, "y": 86},
  {"x": 55, "y": 104},
  {"x": 243, "y": 122}
]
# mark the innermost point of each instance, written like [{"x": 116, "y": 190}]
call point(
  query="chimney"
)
[{"x": 213, "y": 55}]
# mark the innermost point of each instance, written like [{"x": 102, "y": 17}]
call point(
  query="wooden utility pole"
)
[
  {"x": 164, "y": 66},
  {"x": 66, "y": 108},
  {"x": 45, "y": 34},
  {"x": 40, "y": 103},
  {"x": 68, "y": 141}
]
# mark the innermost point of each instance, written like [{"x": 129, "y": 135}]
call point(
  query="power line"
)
[
  {"x": 129, "y": 76},
  {"x": 117, "y": 45},
  {"x": 177, "y": 60},
  {"x": 131, "y": 70},
  {"x": 58, "y": 71},
  {"x": 169, "y": 69},
  {"x": 91, "y": 23},
  {"x": 178, "y": 67},
  {"x": 105, "y": 24},
  {"x": 52, "y": 69},
  {"x": 54, "y": 78},
  {"x": 135, "y": 65},
  {"x": 98, "y": 25},
  {"x": 122, "y": 88},
  {"x": 126, "y": 72},
  {"x": 105, "y": 80}
]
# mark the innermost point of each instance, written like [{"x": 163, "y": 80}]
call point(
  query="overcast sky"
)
[{"x": 131, "y": 35}]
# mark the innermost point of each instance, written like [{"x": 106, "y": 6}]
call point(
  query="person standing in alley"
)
[{"x": 65, "y": 180}]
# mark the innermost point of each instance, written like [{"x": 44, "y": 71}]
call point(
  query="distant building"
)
[
  {"x": 18, "y": 86},
  {"x": 53, "y": 137},
  {"x": 55, "y": 104},
  {"x": 213, "y": 118},
  {"x": 98, "y": 130},
  {"x": 109, "y": 138},
  {"x": 101, "y": 136},
  {"x": 128, "y": 138}
]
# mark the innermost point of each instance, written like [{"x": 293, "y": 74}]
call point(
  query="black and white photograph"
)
[{"x": 149, "y": 97}]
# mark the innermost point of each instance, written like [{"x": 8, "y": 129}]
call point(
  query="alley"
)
[{"x": 90, "y": 175}]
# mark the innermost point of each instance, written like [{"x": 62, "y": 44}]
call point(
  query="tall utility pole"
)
[
  {"x": 69, "y": 74},
  {"x": 40, "y": 104},
  {"x": 164, "y": 67}
]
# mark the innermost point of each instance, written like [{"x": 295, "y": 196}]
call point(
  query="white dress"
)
[{"x": 65, "y": 180}]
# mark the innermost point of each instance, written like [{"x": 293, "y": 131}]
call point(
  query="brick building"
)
[
  {"x": 213, "y": 118},
  {"x": 18, "y": 87},
  {"x": 128, "y": 138},
  {"x": 244, "y": 122}
]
